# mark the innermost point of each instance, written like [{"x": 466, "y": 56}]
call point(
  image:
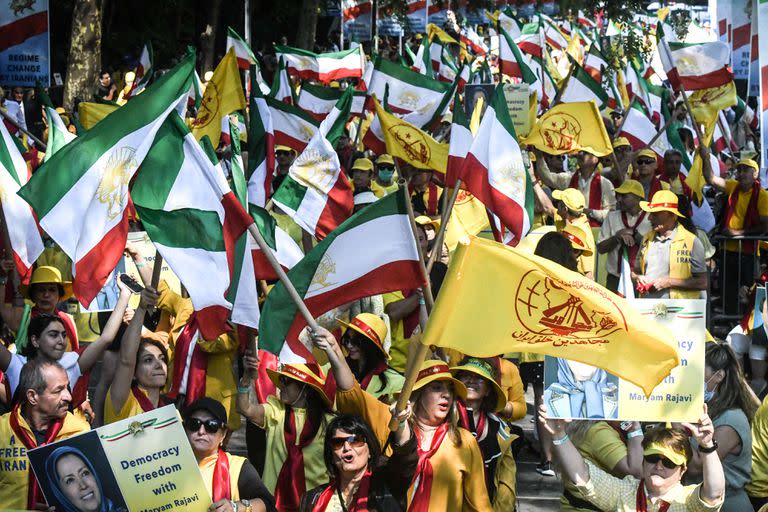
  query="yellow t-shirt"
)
[
  {"x": 315, "y": 472},
  {"x": 758, "y": 487},
  {"x": 130, "y": 408},
  {"x": 740, "y": 213},
  {"x": 381, "y": 191}
]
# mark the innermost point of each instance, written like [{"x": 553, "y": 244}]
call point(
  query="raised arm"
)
[
  {"x": 121, "y": 383},
  {"x": 93, "y": 351},
  {"x": 706, "y": 169},
  {"x": 713, "y": 486},
  {"x": 572, "y": 463},
  {"x": 145, "y": 270},
  {"x": 325, "y": 341},
  {"x": 247, "y": 402}
]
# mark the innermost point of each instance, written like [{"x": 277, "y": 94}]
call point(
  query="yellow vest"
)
[
  {"x": 679, "y": 260},
  {"x": 207, "y": 466},
  {"x": 14, "y": 464}
]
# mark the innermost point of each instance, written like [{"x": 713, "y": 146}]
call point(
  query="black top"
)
[{"x": 250, "y": 486}]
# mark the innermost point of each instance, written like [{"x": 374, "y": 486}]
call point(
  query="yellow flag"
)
[
  {"x": 468, "y": 217},
  {"x": 695, "y": 179},
  {"x": 435, "y": 31},
  {"x": 477, "y": 113},
  {"x": 496, "y": 299},
  {"x": 707, "y": 103},
  {"x": 570, "y": 127},
  {"x": 410, "y": 144},
  {"x": 92, "y": 113},
  {"x": 223, "y": 95}
]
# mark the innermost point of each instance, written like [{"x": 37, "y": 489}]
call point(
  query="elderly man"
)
[
  {"x": 673, "y": 161},
  {"x": 671, "y": 263},
  {"x": 746, "y": 213},
  {"x": 623, "y": 229},
  {"x": 597, "y": 191},
  {"x": 645, "y": 173},
  {"x": 622, "y": 150},
  {"x": 40, "y": 417}
]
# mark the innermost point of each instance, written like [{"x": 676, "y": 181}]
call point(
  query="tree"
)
[
  {"x": 208, "y": 36},
  {"x": 305, "y": 37},
  {"x": 84, "y": 59}
]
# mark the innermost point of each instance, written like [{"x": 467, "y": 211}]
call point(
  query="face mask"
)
[
  {"x": 386, "y": 175},
  {"x": 708, "y": 395}
]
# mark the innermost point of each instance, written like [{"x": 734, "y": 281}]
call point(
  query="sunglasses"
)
[
  {"x": 354, "y": 441},
  {"x": 282, "y": 153},
  {"x": 654, "y": 459},
  {"x": 645, "y": 161},
  {"x": 211, "y": 426}
]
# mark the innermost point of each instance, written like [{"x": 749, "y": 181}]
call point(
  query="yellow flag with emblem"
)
[
  {"x": 91, "y": 113},
  {"x": 513, "y": 301},
  {"x": 570, "y": 127},
  {"x": 223, "y": 95},
  {"x": 433, "y": 31},
  {"x": 410, "y": 144}
]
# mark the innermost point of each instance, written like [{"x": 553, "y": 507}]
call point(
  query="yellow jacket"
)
[
  {"x": 220, "y": 379},
  {"x": 680, "y": 252}
]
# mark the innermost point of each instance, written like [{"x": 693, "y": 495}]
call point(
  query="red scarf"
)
[
  {"x": 641, "y": 502},
  {"x": 464, "y": 419},
  {"x": 221, "y": 484},
  {"x": 196, "y": 366},
  {"x": 687, "y": 192},
  {"x": 752, "y": 217},
  {"x": 34, "y": 494},
  {"x": 69, "y": 326},
  {"x": 635, "y": 248},
  {"x": 291, "y": 483},
  {"x": 424, "y": 472},
  {"x": 431, "y": 204},
  {"x": 359, "y": 500},
  {"x": 144, "y": 402},
  {"x": 376, "y": 370},
  {"x": 595, "y": 193}
]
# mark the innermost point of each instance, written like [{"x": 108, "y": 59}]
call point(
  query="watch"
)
[
  {"x": 246, "y": 505},
  {"x": 710, "y": 449}
]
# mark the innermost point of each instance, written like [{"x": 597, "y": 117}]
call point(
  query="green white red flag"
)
[
  {"x": 409, "y": 91},
  {"x": 511, "y": 62},
  {"x": 336, "y": 272},
  {"x": 324, "y": 67},
  {"x": 459, "y": 143},
  {"x": 245, "y": 57},
  {"x": 696, "y": 65},
  {"x": 282, "y": 87},
  {"x": 473, "y": 41},
  {"x": 292, "y": 126},
  {"x": 143, "y": 72},
  {"x": 80, "y": 195},
  {"x": 580, "y": 86},
  {"x": 261, "y": 150},
  {"x": 317, "y": 100},
  {"x": 640, "y": 130},
  {"x": 285, "y": 249}
]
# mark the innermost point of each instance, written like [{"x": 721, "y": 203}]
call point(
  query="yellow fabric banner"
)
[
  {"x": 468, "y": 217},
  {"x": 92, "y": 113},
  {"x": 695, "y": 179},
  {"x": 410, "y": 144},
  {"x": 223, "y": 95},
  {"x": 707, "y": 103},
  {"x": 433, "y": 31},
  {"x": 496, "y": 299},
  {"x": 570, "y": 127}
]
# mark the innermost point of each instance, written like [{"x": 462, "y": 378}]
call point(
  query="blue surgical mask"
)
[
  {"x": 708, "y": 395},
  {"x": 386, "y": 175}
]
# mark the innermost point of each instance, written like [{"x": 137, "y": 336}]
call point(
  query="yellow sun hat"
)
[
  {"x": 372, "y": 327},
  {"x": 45, "y": 275},
  {"x": 662, "y": 201}
]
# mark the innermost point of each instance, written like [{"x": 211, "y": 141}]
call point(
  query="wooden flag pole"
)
[
  {"x": 438, "y": 246},
  {"x": 40, "y": 144}
]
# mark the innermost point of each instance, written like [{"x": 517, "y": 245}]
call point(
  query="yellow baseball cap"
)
[
  {"x": 362, "y": 164},
  {"x": 621, "y": 142},
  {"x": 648, "y": 152},
  {"x": 280, "y": 147},
  {"x": 668, "y": 453},
  {"x": 631, "y": 187},
  {"x": 385, "y": 159},
  {"x": 749, "y": 163},
  {"x": 573, "y": 198},
  {"x": 662, "y": 201},
  {"x": 578, "y": 238}
]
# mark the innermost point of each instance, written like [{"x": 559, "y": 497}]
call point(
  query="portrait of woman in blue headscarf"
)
[
  {"x": 580, "y": 391},
  {"x": 75, "y": 484}
]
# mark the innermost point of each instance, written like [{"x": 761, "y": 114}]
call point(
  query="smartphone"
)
[{"x": 131, "y": 283}]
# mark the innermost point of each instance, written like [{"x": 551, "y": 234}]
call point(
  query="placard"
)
[
  {"x": 24, "y": 43},
  {"x": 142, "y": 463},
  {"x": 518, "y": 98},
  {"x": 576, "y": 390}
]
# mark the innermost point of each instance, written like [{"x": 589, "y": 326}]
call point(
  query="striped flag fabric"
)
[
  {"x": 26, "y": 242},
  {"x": 58, "y": 134},
  {"x": 282, "y": 87},
  {"x": 595, "y": 63},
  {"x": 80, "y": 195},
  {"x": 315, "y": 193},
  {"x": 285, "y": 249},
  {"x": 511, "y": 24},
  {"x": 194, "y": 220},
  {"x": 494, "y": 170},
  {"x": 292, "y": 126},
  {"x": 459, "y": 143},
  {"x": 511, "y": 62},
  {"x": 696, "y": 66},
  {"x": 336, "y": 272},
  {"x": 422, "y": 61},
  {"x": 143, "y": 71},
  {"x": 408, "y": 90},
  {"x": 473, "y": 41},
  {"x": 324, "y": 67},
  {"x": 640, "y": 130},
  {"x": 261, "y": 151},
  {"x": 580, "y": 86},
  {"x": 245, "y": 57},
  {"x": 318, "y": 101}
]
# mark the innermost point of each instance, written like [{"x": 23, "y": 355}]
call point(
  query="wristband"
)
[
  {"x": 635, "y": 433},
  {"x": 562, "y": 440},
  {"x": 140, "y": 264},
  {"x": 422, "y": 302},
  {"x": 243, "y": 391},
  {"x": 710, "y": 449},
  {"x": 234, "y": 505}
]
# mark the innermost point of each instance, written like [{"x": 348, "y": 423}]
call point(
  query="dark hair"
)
[
  {"x": 675, "y": 439},
  {"x": 555, "y": 247},
  {"x": 673, "y": 152},
  {"x": 354, "y": 426},
  {"x": 154, "y": 343},
  {"x": 32, "y": 377},
  {"x": 37, "y": 326},
  {"x": 33, "y": 289},
  {"x": 733, "y": 392},
  {"x": 684, "y": 207},
  {"x": 371, "y": 354}
]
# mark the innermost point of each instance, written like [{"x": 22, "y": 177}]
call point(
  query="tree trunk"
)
[
  {"x": 208, "y": 35},
  {"x": 84, "y": 60},
  {"x": 305, "y": 37}
]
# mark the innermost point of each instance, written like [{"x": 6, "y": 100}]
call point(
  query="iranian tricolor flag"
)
[
  {"x": 408, "y": 90},
  {"x": 194, "y": 220},
  {"x": 584, "y": 21},
  {"x": 511, "y": 24},
  {"x": 58, "y": 135},
  {"x": 245, "y": 57},
  {"x": 80, "y": 195},
  {"x": 25, "y": 237},
  {"x": 459, "y": 144},
  {"x": 315, "y": 193},
  {"x": 511, "y": 62},
  {"x": 317, "y": 100},
  {"x": 625, "y": 289},
  {"x": 261, "y": 151},
  {"x": 336, "y": 272},
  {"x": 292, "y": 126},
  {"x": 422, "y": 61},
  {"x": 696, "y": 66},
  {"x": 282, "y": 87},
  {"x": 580, "y": 86},
  {"x": 494, "y": 170},
  {"x": 473, "y": 41},
  {"x": 640, "y": 130},
  {"x": 286, "y": 250},
  {"x": 143, "y": 72},
  {"x": 323, "y": 66},
  {"x": 594, "y": 63}
]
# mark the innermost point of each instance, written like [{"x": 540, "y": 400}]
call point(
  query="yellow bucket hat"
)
[
  {"x": 662, "y": 201},
  {"x": 573, "y": 198},
  {"x": 668, "y": 453},
  {"x": 310, "y": 375},
  {"x": 485, "y": 370},
  {"x": 44, "y": 275},
  {"x": 372, "y": 327},
  {"x": 432, "y": 370},
  {"x": 577, "y": 237},
  {"x": 631, "y": 187}
]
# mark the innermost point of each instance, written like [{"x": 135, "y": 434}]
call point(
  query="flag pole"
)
[
  {"x": 292, "y": 293},
  {"x": 414, "y": 362},
  {"x": 685, "y": 96},
  {"x": 6, "y": 234},
  {"x": 438, "y": 247},
  {"x": 40, "y": 144}
]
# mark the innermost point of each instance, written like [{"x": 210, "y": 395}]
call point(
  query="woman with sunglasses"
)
[
  {"x": 360, "y": 480},
  {"x": 366, "y": 356},
  {"x": 449, "y": 474},
  {"x": 478, "y": 414},
  {"x": 295, "y": 425},
  {"x": 233, "y": 483},
  {"x": 666, "y": 454},
  {"x": 732, "y": 405}
]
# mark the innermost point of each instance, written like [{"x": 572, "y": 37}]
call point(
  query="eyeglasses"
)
[
  {"x": 645, "y": 161},
  {"x": 355, "y": 441},
  {"x": 654, "y": 459},
  {"x": 282, "y": 153},
  {"x": 211, "y": 426}
]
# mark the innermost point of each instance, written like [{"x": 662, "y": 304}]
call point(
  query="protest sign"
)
[
  {"x": 473, "y": 93},
  {"x": 143, "y": 463},
  {"x": 518, "y": 98},
  {"x": 24, "y": 44},
  {"x": 576, "y": 390}
]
